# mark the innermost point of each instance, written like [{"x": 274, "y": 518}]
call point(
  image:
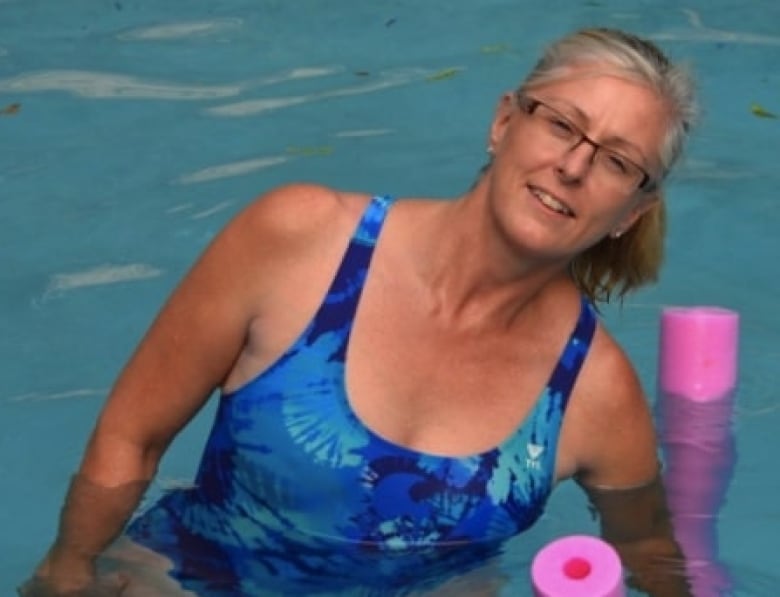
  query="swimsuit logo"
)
[{"x": 534, "y": 452}]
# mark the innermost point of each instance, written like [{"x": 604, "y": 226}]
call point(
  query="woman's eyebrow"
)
[{"x": 610, "y": 142}]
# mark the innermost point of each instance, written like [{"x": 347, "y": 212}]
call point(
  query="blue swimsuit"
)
[{"x": 294, "y": 495}]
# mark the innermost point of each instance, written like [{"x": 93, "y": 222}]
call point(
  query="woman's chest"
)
[{"x": 441, "y": 391}]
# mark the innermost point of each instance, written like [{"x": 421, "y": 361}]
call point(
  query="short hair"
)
[{"x": 619, "y": 265}]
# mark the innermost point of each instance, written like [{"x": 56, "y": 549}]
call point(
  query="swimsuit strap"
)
[
  {"x": 338, "y": 308},
  {"x": 565, "y": 373},
  {"x": 371, "y": 223}
]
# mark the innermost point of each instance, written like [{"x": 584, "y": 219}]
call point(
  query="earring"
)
[
  {"x": 489, "y": 150},
  {"x": 616, "y": 234}
]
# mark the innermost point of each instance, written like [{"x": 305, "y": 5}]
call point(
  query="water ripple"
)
[
  {"x": 232, "y": 169},
  {"x": 301, "y": 72},
  {"x": 101, "y": 275},
  {"x": 109, "y": 85},
  {"x": 257, "y": 106},
  {"x": 211, "y": 210},
  {"x": 67, "y": 395},
  {"x": 701, "y": 33},
  {"x": 182, "y": 30},
  {"x": 364, "y": 133},
  {"x": 106, "y": 85}
]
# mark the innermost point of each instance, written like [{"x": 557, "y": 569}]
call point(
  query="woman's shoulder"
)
[
  {"x": 288, "y": 229},
  {"x": 293, "y": 218},
  {"x": 611, "y": 418},
  {"x": 608, "y": 375},
  {"x": 608, "y": 394},
  {"x": 301, "y": 207}
]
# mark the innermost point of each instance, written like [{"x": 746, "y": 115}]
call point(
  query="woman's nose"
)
[{"x": 576, "y": 162}]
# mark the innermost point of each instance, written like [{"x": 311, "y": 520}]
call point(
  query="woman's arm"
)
[
  {"x": 618, "y": 468},
  {"x": 636, "y": 522},
  {"x": 187, "y": 353}
]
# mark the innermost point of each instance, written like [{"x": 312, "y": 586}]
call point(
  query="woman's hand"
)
[
  {"x": 65, "y": 574},
  {"x": 112, "y": 585}
]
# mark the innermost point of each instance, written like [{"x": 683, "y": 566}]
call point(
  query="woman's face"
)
[{"x": 568, "y": 163}]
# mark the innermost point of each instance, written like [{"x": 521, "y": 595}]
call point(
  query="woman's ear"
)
[
  {"x": 504, "y": 110},
  {"x": 645, "y": 202}
]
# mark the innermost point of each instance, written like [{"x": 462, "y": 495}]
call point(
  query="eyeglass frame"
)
[{"x": 529, "y": 105}]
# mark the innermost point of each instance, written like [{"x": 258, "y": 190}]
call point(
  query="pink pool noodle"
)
[
  {"x": 697, "y": 378},
  {"x": 577, "y": 566},
  {"x": 698, "y": 352}
]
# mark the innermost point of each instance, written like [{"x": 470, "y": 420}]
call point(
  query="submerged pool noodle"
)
[
  {"x": 577, "y": 566},
  {"x": 698, "y": 352}
]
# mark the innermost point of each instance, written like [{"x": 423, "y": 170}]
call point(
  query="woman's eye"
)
[
  {"x": 561, "y": 126},
  {"x": 617, "y": 163}
]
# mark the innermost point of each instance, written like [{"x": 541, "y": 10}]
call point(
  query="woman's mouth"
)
[{"x": 552, "y": 202}]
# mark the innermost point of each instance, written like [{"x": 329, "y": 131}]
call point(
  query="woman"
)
[{"x": 421, "y": 413}]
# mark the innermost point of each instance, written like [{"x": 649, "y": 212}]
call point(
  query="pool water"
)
[{"x": 132, "y": 130}]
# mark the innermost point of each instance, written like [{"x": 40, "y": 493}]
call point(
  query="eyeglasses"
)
[{"x": 610, "y": 166}]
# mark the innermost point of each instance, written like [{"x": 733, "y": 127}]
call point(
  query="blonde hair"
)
[
  {"x": 625, "y": 263},
  {"x": 620, "y": 265}
]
